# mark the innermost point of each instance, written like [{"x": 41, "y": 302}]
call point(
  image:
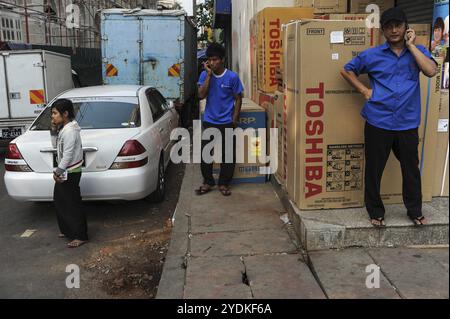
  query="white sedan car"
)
[{"x": 125, "y": 132}]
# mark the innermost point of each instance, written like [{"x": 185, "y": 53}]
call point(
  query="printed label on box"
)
[
  {"x": 443, "y": 126},
  {"x": 337, "y": 37},
  {"x": 345, "y": 165}
]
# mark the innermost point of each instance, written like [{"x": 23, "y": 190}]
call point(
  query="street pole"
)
[
  {"x": 26, "y": 23},
  {"x": 47, "y": 37},
  {"x": 60, "y": 23}
]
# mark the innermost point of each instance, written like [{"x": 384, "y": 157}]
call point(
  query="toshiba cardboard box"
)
[
  {"x": 269, "y": 44},
  {"x": 326, "y": 139},
  {"x": 251, "y": 116},
  {"x": 279, "y": 120},
  {"x": 263, "y": 99},
  {"x": 341, "y": 16},
  {"x": 325, "y": 130},
  {"x": 269, "y": 106},
  {"x": 324, "y": 6},
  {"x": 391, "y": 183},
  {"x": 440, "y": 185},
  {"x": 359, "y": 6},
  {"x": 375, "y": 33},
  {"x": 253, "y": 63}
]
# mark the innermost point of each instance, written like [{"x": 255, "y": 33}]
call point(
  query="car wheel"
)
[{"x": 158, "y": 195}]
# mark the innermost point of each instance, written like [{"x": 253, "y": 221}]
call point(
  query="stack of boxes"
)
[
  {"x": 266, "y": 52},
  {"x": 317, "y": 113},
  {"x": 440, "y": 185}
]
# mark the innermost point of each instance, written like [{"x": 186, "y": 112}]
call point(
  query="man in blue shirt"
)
[
  {"x": 392, "y": 111},
  {"x": 223, "y": 90}
]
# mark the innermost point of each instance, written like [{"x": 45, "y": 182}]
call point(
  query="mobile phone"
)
[
  {"x": 406, "y": 34},
  {"x": 64, "y": 176}
]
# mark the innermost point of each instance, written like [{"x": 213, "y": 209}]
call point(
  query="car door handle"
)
[
  {"x": 48, "y": 150},
  {"x": 53, "y": 150},
  {"x": 90, "y": 149}
]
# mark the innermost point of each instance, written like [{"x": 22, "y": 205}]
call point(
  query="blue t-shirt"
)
[
  {"x": 395, "y": 103},
  {"x": 221, "y": 96}
]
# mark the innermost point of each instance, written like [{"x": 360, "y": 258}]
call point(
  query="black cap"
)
[{"x": 393, "y": 14}]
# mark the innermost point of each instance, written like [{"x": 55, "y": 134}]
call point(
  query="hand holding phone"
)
[
  {"x": 410, "y": 36},
  {"x": 207, "y": 68}
]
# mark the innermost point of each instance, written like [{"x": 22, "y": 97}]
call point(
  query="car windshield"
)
[{"x": 95, "y": 113}]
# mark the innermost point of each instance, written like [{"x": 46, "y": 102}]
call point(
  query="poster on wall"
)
[{"x": 439, "y": 43}]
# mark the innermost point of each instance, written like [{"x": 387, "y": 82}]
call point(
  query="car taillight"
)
[
  {"x": 14, "y": 161},
  {"x": 132, "y": 155}
]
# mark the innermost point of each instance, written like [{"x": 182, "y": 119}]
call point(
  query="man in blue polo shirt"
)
[
  {"x": 392, "y": 111},
  {"x": 223, "y": 90}
]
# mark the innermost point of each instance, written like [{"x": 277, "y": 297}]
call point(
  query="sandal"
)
[
  {"x": 225, "y": 190},
  {"x": 418, "y": 221},
  {"x": 76, "y": 243},
  {"x": 204, "y": 189},
  {"x": 378, "y": 222},
  {"x": 61, "y": 236}
]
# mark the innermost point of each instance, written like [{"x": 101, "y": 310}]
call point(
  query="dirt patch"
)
[{"x": 131, "y": 267}]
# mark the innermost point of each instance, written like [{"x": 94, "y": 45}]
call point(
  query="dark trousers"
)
[
  {"x": 404, "y": 144},
  {"x": 69, "y": 211},
  {"x": 226, "y": 169}
]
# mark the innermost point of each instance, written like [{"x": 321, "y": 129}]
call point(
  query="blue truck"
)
[{"x": 152, "y": 47}]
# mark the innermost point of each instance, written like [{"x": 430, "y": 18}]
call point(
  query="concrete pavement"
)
[{"x": 239, "y": 247}]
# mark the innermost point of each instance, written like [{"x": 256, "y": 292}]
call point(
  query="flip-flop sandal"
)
[
  {"x": 225, "y": 191},
  {"x": 380, "y": 220},
  {"x": 203, "y": 190},
  {"x": 418, "y": 221},
  {"x": 77, "y": 244}
]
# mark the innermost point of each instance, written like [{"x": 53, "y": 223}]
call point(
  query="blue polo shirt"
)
[
  {"x": 395, "y": 102},
  {"x": 221, "y": 96}
]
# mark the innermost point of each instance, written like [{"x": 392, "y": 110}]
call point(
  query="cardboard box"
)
[
  {"x": 324, "y": 6},
  {"x": 290, "y": 107},
  {"x": 359, "y": 6},
  {"x": 391, "y": 183},
  {"x": 265, "y": 100},
  {"x": 440, "y": 185},
  {"x": 242, "y": 12},
  {"x": 280, "y": 174},
  {"x": 326, "y": 138},
  {"x": 269, "y": 106},
  {"x": 252, "y": 116},
  {"x": 423, "y": 34},
  {"x": 341, "y": 16},
  {"x": 375, "y": 33},
  {"x": 269, "y": 42},
  {"x": 325, "y": 129},
  {"x": 253, "y": 60}
]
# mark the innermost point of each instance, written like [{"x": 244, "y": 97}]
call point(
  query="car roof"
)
[{"x": 104, "y": 91}]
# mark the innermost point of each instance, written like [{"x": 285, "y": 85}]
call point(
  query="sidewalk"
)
[{"x": 239, "y": 247}]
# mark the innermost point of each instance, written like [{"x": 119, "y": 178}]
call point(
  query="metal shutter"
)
[{"x": 417, "y": 11}]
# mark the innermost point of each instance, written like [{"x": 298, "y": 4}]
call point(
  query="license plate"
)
[{"x": 11, "y": 133}]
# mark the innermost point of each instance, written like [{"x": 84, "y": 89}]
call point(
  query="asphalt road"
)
[{"x": 124, "y": 258}]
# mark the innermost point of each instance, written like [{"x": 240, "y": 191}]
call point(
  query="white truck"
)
[{"x": 29, "y": 79}]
